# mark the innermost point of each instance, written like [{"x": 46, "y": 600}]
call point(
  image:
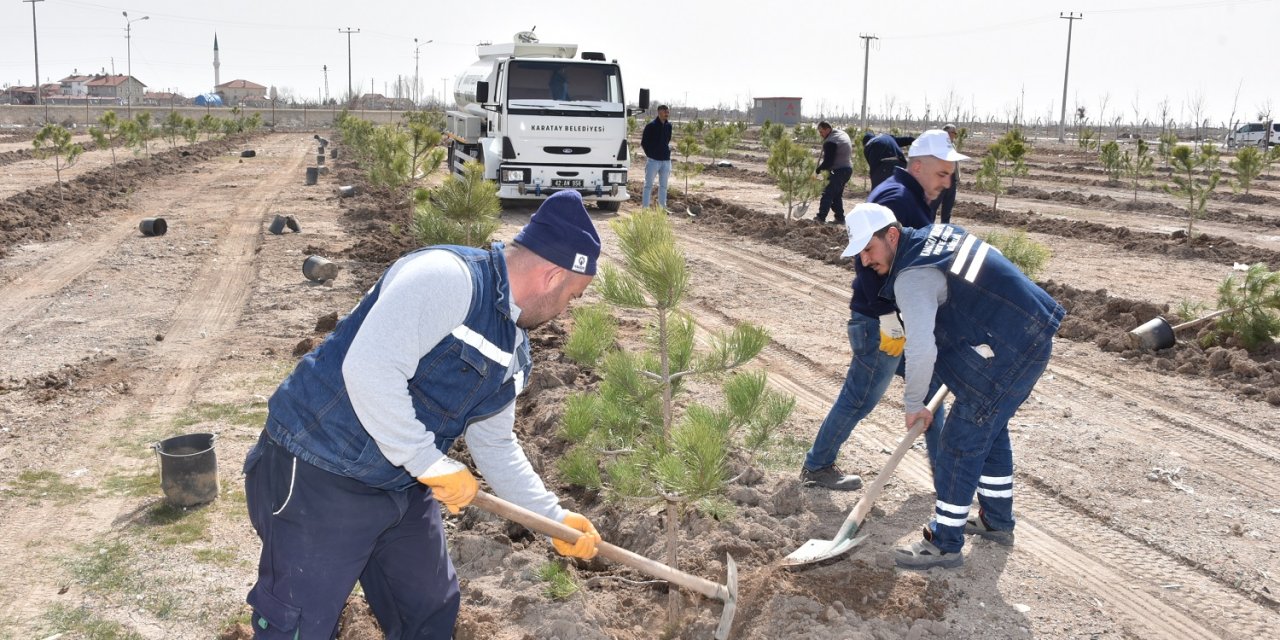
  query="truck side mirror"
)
[
  {"x": 644, "y": 99},
  {"x": 482, "y": 92}
]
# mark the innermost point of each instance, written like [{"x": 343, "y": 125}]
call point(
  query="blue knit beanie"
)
[{"x": 562, "y": 233}]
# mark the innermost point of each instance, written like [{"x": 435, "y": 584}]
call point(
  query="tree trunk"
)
[{"x": 673, "y": 541}]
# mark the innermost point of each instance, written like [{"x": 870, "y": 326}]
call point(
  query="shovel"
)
[
  {"x": 819, "y": 550},
  {"x": 726, "y": 593}
]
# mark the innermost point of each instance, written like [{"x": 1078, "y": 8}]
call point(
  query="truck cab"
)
[{"x": 541, "y": 120}]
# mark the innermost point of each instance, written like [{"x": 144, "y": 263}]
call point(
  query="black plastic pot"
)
[
  {"x": 153, "y": 226},
  {"x": 1156, "y": 334},
  {"x": 277, "y": 225},
  {"x": 188, "y": 469},
  {"x": 318, "y": 269},
  {"x": 248, "y": 153},
  {"x": 313, "y": 174}
]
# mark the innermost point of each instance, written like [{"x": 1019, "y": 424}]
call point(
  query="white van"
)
[{"x": 1254, "y": 133}]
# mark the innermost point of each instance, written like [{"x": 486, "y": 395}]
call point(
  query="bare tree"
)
[
  {"x": 1164, "y": 114},
  {"x": 1102, "y": 110},
  {"x": 1231, "y": 122},
  {"x": 1196, "y": 104},
  {"x": 950, "y": 102},
  {"x": 1137, "y": 112}
]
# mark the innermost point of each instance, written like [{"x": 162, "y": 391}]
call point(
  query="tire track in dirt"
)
[
  {"x": 30, "y": 292},
  {"x": 195, "y": 340},
  {"x": 1110, "y": 561}
]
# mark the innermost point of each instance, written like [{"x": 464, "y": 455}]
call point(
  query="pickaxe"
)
[{"x": 726, "y": 593}]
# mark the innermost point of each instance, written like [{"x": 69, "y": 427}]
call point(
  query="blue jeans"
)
[
  {"x": 972, "y": 454},
  {"x": 661, "y": 168},
  {"x": 864, "y": 385},
  {"x": 833, "y": 195},
  {"x": 322, "y": 532}
]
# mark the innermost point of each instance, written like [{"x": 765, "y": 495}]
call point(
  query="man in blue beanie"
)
[{"x": 346, "y": 481}]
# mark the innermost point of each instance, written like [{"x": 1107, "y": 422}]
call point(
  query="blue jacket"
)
[
  {"x": 905, "y": 197},
  {"x": 883, "y": 154},
  {"x": 656, "y": 140},
  {"x": 989, "y": 302},
  {"x": 458, "y": 382}
]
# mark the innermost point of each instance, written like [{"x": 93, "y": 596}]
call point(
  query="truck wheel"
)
[{"x": 608, "y": 205}]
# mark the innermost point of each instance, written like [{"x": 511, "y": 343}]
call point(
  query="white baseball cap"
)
[
  {"x": 862, "y": 223},
  {"x": 936, "y": 143}
]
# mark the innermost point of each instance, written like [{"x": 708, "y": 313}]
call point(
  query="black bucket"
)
[
  {"x": 248, "y": 153},
  {"x": 313, "y": 174},
  {"x": 333, "y": 153},
  {"x": 188, "y": 469},
  {"x": 277, "y": 224},
  {"x": 319, "y": 158},
  {"x": 292, "y": 223},
  {"x": 1156, "y": 334},
  {"x": 153, "y": 226},
  {"x": 346, "y": 192},
  {"x": 318, "y": 269}
]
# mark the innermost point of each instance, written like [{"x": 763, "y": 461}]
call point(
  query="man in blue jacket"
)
[
  {"x": 655, "y": 140},
  {"x": 346, "y": 481},
  {"x": 984, "y": 329},
  {"x": 875, "y": 331},
  {"x": 883, "y": 154}
]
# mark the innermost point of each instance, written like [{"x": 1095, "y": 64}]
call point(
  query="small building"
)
[
  {"x": 119, "y": 87},
  {"x": 238, "y": 91},
  {"x": 74, "y": 85},
  {"x": 779, "y": 110},
  {"x": 164, "y": 99}
]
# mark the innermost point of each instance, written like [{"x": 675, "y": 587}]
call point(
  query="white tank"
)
[{"x": 523, "y": 45}]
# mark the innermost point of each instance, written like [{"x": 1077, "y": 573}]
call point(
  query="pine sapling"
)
[
  {"x": 793, "y": 167},
  {"x": 107, "y": 133},
  {"x": 1254, "y": 304},
  {"x": 1137, "y": 165},
  {"x": 54, "y": 141},
  {"x": 463, "y": 210},
  {"x": 988, "y": 179},
  {"x": 1112, "y": 162},
  {"x": 651, "y": 449},
  {"x": 1248, "y": 165},
  {"x": 1186, "y": 181},
  {"x": 717, "y": 141},
  {"x": 687, "y": 169}
]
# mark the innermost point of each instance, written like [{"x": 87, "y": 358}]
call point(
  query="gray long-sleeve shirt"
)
[
  {"x": 919, "y": 292},
  {"x": 424, "y": 297}
]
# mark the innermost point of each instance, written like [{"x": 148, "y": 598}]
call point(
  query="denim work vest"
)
[
  {"x": 460, "y": 381},
  {"x": 989, "y": 302}
]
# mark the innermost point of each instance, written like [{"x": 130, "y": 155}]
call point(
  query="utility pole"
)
[
  {"x": 36, "y": 43},
  {"x": 128, "y": 39},
  {"x": 349, "y": 31},
  {"x": 866, "y": 66},
  {"x": 416, "y": 84},
  {"x": 443, "y": 90},
  {"x": 326, "y": 83},
  {"x": 1062, "y": 120}
]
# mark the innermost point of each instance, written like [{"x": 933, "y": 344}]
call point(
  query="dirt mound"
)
[
  {"x": 1198, "y": 247},
  {"x": 42, "y": 213},
  {"x": 1092, "y": 316}
]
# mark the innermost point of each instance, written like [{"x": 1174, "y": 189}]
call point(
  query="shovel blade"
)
[{"x": 819, "y": 550}]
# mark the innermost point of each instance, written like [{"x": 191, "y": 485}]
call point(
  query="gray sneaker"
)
[
  {"x": 977, "y": 526},
  {"x": 830, "y": 478},
  {"x": 922, "y": 554}
]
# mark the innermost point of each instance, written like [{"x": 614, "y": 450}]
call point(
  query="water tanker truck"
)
[{"x": 541, "y": 120}]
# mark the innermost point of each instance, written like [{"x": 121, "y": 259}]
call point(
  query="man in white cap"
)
[
  {"x": 978, "y": 324},
  {"x": 346, "y": 481},
  {"x": 875, "y": 332}
]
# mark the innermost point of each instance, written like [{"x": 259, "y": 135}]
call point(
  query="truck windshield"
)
[{"x": 562, "y": 81}]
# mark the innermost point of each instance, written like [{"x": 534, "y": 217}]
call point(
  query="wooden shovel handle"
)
[
  {"x": 547, "y": 526},
  {"x": 869, "y": 497}
]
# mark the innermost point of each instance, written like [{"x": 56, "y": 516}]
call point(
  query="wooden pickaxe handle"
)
[{"x": 547, "y": 526}]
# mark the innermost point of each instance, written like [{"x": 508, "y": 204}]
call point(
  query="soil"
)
[{"x": 1146, "y": 482}]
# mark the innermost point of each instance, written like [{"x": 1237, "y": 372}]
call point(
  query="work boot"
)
[
  {"x": 977, "y": 525},
  {"x": 922, "y": 554},
  {"x": 830, "y": 478},
  {"x": 839, "y": 221}
]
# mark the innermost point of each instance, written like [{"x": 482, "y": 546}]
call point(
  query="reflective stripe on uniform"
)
[
  {"x": 489, "y": 349},
  {"x": 942, "y": 511}
]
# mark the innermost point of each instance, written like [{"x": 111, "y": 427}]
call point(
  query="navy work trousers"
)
[
  {"x": 322, "y": 532},
  {"x": 833, "y": 195}
]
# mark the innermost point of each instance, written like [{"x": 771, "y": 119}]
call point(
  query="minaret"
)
[{"x": 216, "y": 80}]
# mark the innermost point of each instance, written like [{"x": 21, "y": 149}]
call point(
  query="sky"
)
[{"x": 988, "y": 57}]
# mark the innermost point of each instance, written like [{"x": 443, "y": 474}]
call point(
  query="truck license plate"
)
[{"x": 566, "y": 183}]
